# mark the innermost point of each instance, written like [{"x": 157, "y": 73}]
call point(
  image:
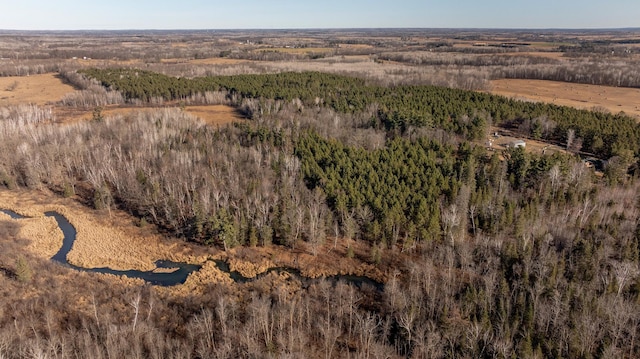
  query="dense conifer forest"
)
[{"x": 466, "y": 113}]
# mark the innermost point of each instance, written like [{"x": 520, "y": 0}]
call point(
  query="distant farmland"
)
[{"x": 613, "y": 99}]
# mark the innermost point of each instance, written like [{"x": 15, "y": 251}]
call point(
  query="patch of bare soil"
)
[
  {"x": 34, "y": 89},
  {"x": 500, "y": 139},
  {"x": 613, "y": 99}
]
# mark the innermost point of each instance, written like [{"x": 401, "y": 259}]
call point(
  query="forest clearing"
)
[{"x": 36, "y": 89}]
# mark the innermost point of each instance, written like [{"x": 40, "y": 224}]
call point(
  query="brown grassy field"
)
[
  {"x": 218, "y": 61},
  {"x": 300, "y": 51},
  {"x": 45, "y": 237},
  {"x": 104, "y": 238},
  {"x": 214, "y": 115},
  {"x": 613, "y": 99},
  {"x": 105, "y": 63},
  {"x": 548, "y": 55},
  {"x": 35, "y": 89},
  {"x": 355, "y": 46}
]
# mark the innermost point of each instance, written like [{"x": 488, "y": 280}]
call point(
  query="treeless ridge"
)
[{"x": 614, "y": 99}]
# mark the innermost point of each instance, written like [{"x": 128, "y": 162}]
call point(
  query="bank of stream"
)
[
  {"x": 169, "y": 273},
  {"x": 358, "y": 281}
]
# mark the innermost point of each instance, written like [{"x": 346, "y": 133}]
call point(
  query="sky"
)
[{"x": 301, "y": 14}]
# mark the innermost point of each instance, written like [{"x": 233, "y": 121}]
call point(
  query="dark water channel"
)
[
  {"x": 178, "y": 276},
  {"x": 182, "y": 270},
  {"x": 12, "y": 214},
  {"x": 358, "y": 281}
]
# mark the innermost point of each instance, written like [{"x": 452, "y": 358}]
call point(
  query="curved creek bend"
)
[
  {"x": 177, "y": 272},
  {"x": 177, "y": 276}
]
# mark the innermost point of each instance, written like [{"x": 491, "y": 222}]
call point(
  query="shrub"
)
[{"x": 23, "y": 270}]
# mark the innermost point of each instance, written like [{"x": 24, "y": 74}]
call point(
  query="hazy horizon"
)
[
  {"x": 74, "y": 15},
  {"x": 3, "y": 30}
]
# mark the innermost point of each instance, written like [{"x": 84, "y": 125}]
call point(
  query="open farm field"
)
[
  {"x": 581, "y": 96},
  {"x": 355, "y": 46},
  {"x": 218, "y": 61},
  {"x": 34, "y": 89},
  {"x": 89, "y": 62},
  {"x": 299, "y": 50},
  {"x": 556, "y": 55}
]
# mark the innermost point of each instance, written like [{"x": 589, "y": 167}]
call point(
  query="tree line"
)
[{"x": 400, "y": 107}]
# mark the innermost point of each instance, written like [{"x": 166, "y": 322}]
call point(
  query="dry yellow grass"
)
[
  {"x": 103, "y": 240},
  {"x": 548, "y": 55},
  {"x": 105, "y": 63},
  {"x": 252, "y": 268},
  {"x": 218, "y": 61},
  {"x": 43, "y": 232},
  {"x": 355, "y": 46},
  {"x": 298, "y": 50},
  {"x": 174, "y": 61},
  {"x": 328, "y": 262},
  {"x": 35, "y": 89},
  {"x": 111, "y": 240},
  {"x": 214, "y": 115},
  {"x": 209, "y": 273},
  {"x": 614, "y": 99}
]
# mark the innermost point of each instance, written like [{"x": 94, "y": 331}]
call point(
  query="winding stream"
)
[
  {"x": 177, "y": 276},
  {"x": 358, "y": 281},
  {"x": 182, "y": 270}
]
